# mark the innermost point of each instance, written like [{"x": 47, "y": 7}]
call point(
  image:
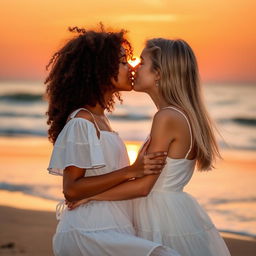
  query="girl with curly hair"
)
[{"x": 86, "y": 76}]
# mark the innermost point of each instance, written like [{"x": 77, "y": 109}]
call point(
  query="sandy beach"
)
[
  {"x": 28, "y": 232},
  {"x": 28, "y": 222}
]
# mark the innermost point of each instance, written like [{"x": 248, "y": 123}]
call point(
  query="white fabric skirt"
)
[
  {"x": 102, "y": 228},
  {"x": 175, "y": 219}
]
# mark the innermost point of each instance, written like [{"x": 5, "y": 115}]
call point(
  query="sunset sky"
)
[{"x": 221, "y": 32}]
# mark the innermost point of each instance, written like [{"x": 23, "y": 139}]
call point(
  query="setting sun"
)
[{"x": 134, "y": 62}]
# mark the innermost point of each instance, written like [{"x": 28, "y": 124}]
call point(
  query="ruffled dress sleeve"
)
[{"x": 77, "y": 145}]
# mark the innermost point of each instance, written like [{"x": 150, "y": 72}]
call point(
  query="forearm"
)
[
  {"x": 85, "y": 187},
  {"x": 77, "y": 187},
  {"x": 127, "y": 190}
]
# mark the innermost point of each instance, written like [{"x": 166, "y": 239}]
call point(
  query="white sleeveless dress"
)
[
  {"x": 174, "y": 218},
  {"x": 98, "y": 228}
]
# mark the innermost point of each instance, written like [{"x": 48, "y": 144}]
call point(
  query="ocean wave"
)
[
  {"x": 244, "y": 146},
  {"x": 23, "y": 115},
  {"x": 239, "y": 217},
  {"x": 21, "y": 97},
  {"x": 245, "y": 121},
  {"x": 123, "y": 117},
  {"x": 226, "y": 102},
  {"x": 130, "y": 117},
  {"x": 41, "y": 191},
  {"x": 240, "y": 233},
  {"x": 212, "y": 206},
  {"x": 12, "y": 132},
  {"x": 216, "y": 201},
  {"x": 239, "y": 120}
]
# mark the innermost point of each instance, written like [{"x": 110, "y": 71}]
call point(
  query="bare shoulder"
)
[
  {"x": 168, "y": 116},
  {"x": 163, "y": 130},
  {"x": 169, "y": 124},
  {"x": 85, "y": 115}
]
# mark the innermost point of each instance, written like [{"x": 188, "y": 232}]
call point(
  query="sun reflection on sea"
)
[{"x": 132, "y": 148}]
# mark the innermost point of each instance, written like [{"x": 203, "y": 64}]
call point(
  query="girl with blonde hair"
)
[{"x": 163, "y": 213}]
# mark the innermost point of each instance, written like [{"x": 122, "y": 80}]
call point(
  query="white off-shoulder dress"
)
[
  {"x": 174, "y": 218},
  {"x": 98, "y": 228}
]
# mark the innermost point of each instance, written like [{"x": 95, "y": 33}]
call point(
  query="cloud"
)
[{"x": 148, "y": 18}]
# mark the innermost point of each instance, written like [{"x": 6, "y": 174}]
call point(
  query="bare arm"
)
[
  {"x": 162, "y": 134},
  {"x": 76, "y": 186}
]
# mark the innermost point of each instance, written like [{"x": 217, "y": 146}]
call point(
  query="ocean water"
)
[
  {"x": 233, "y": 108},
  {"x": 229, "y": 196}
]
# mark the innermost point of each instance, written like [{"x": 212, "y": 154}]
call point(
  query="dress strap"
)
[
  {"x": 190, "y": 131},
  {"x": 73, "y": 114}
]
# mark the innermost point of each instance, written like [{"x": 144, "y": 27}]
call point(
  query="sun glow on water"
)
[{"x": 132, "y": 149}]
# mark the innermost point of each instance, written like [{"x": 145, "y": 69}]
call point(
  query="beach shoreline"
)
[{"x": 28, "y": 221}]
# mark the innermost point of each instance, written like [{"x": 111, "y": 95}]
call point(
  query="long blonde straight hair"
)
[{"x": 180, "y": 86}]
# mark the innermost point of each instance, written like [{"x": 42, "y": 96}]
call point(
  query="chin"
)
[
  {"x": 126, "y": 88},
  {"x": 136, "y": 88}
]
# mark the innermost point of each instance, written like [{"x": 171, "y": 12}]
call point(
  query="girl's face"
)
[
  {"x": 123, "y": 82},
  {"x": 145, "y": 77}
]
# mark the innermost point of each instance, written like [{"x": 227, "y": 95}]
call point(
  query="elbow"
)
[
  {"x": 144, "y": 191},
  {"x": 70, "y": 194}
]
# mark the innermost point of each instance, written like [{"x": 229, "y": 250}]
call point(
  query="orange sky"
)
[{"x": 221, "y": 32}]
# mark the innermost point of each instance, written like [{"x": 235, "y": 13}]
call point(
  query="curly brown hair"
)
[{"x": 81, "y": 73}]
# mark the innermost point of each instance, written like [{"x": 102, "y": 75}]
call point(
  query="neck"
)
[
  {"x": 157, "y": 98},
  {"x": 98, "y": 109}
]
